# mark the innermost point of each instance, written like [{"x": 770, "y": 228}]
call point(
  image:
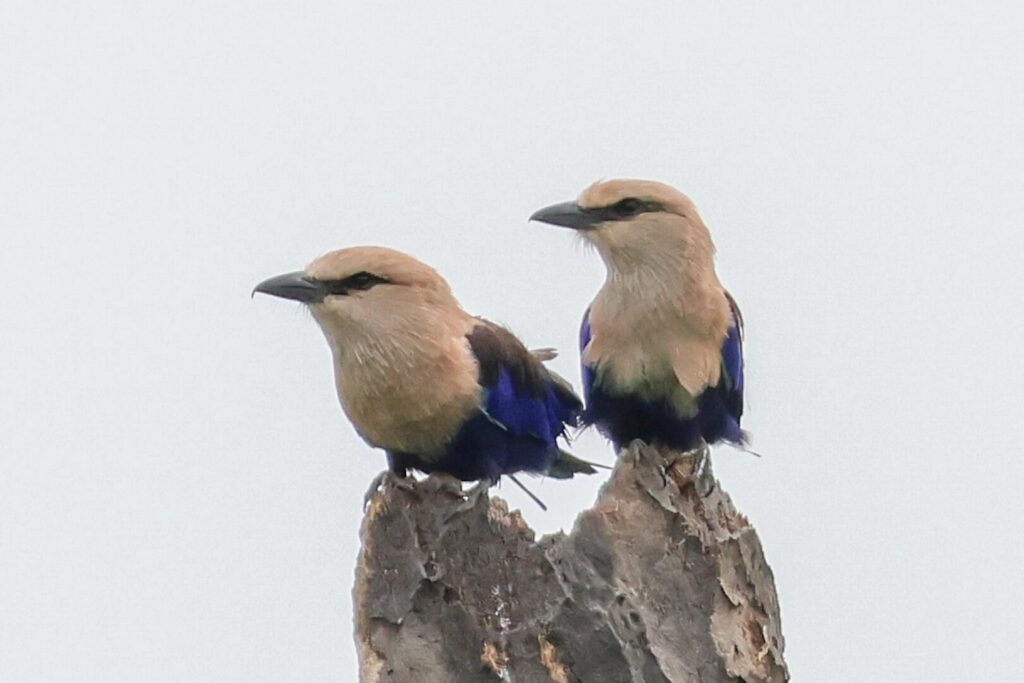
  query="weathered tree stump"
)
[{"x": 661, "y": 580}]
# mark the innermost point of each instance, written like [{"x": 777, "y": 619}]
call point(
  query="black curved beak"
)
[
  {"x": 295, "y": 286},
  {"x": 567, "y": 215}
]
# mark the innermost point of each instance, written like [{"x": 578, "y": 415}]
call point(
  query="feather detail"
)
[
  {"x": 673, "y": 416},
  {"x": 523, "y": 410}
]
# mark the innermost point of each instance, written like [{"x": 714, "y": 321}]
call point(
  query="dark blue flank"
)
[
  {"x": 624, "y": 417},
  {"x": 524, "y": 411}
]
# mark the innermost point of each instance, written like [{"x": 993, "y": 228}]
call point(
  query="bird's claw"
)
[
  {"x": 473, "y": 494},
  {"x": 703, "y": 479},
  {"x": 472, "y": 497},
  {"x": 700, "y": 465},
  {"x": 384, "y": 480}
]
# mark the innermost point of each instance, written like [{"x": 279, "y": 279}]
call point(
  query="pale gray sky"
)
[{"x": 180, "y": 494}]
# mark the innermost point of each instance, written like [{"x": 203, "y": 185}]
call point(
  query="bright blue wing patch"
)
[
  {"x": 523, "y": 412},
  {"x": 586, "y": 371},
  {"x": 524, "y": 409},
  {"x": 732, "y": 363}
]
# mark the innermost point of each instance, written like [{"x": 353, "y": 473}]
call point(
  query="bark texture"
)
[{"x": 662, "y": 580}]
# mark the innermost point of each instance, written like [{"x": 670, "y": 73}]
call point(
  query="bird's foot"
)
[
  {"x": 471, "y": 498},
  {"x": 384, "y": 480},
  {"x": 704, "y": 481},
  {"x": 475, "y": 491},
  {"x": 701, "y": 456}
]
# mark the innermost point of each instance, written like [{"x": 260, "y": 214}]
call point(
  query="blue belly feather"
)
[
  {"x": 515, "y": 429},
  {"x": 623, "y": 416}
]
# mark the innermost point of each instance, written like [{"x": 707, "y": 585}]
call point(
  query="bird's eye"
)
[
  {"x": 358, "y": 282},
  {"x": 363, "y": 280},
  {"x": 627, "y": 207}
]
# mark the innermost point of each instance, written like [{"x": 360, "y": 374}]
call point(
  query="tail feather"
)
[{"x": 567, "y": 464}]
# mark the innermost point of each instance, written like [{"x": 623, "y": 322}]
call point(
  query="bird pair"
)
[{"x": 443, "y": 391}]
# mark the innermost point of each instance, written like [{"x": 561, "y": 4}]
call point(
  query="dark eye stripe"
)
[
  {"x": 358, "y": 282},
  {"x": 625, "y": 209}
]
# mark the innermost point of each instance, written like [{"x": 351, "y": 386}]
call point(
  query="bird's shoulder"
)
[
  {"x": 732, "y": 352},
  {"x": 737, "y": 314},
  {"x": 497, "y": 350}
]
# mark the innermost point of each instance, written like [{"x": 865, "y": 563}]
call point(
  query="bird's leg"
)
[
  {"x": 473, "y": 494},
  {"x": 396, "y": 478},
  {"x": 375, "y": 485},
  {"x": 700, "y": 456},
  {"x": 702, "y": 470},
  {"x": 472, "y": 497}
]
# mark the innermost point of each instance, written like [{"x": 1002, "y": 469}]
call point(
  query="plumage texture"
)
[
  {"x": 661, "y": 344},
  {"x": 435, "y": 387},
  {"x": 522, "y": 411}
]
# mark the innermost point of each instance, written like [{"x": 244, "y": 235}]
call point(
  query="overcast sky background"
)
[{"x": 180, "y": 494}]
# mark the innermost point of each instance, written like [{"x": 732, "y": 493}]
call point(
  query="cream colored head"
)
[
  {"x": 365, "y": 290},
  {"x": 396, "y": 267},
  {"x": 386, "y": 286},
  {"x": 404, "y": 371},
  {"x": 636, "y": 224},
  {"x": 605, "y": 193}
]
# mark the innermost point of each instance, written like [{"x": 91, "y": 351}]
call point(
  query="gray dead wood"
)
[{"x": 661, "y": 580}]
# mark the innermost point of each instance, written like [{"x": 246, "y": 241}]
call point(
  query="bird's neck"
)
[
  {"x": 406, "y": 338},
  {"x": 653, "y": 304},
  {"x": 408, "y": 381},
  {"x": 666, "y": 283},
  {"x": 658, "y": 334}
]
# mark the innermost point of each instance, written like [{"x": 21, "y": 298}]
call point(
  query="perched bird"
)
[
  {"x": 661, "y": 343},
  {"x": 438, "y": 389}
]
